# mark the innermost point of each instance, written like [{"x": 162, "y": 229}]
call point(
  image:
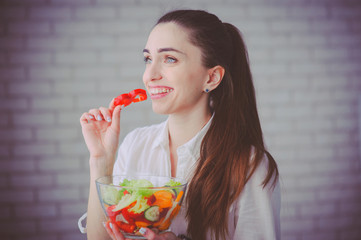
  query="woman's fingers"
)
[
  {"x": 118, "y": 235},
  {"x": 85, "y": 118},
  {"x": 96, "y": 114},
  {"x": 103, "y": 113},
  {"x": 116, "y": 118},
  {"x": 115, "y": 234},
  {"x": 149, "y": 234},
  {"x": 109, "y": 230},
  {"x": 100, "y": 114},
  {"x": 152, "y": 234},
  {"x": 106, "y": 114},
  {"x": 113, "y": 231},
  {"x": 111, "y": 104}
]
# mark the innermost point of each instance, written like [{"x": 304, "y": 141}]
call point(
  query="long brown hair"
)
[{"x": 224, "y": 166}]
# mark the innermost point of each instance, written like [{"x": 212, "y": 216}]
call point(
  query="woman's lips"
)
[{"x": 159, "y": 92}]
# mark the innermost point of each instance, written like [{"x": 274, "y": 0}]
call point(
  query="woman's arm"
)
[
  {"x": 100, "y": 128},
  {"x": 96, "y": 217}
]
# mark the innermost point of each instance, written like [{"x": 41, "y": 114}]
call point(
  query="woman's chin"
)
[{"x": 159, "y": 110}]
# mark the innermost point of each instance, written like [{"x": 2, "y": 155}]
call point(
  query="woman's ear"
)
[{"x": 215, "y": 76}]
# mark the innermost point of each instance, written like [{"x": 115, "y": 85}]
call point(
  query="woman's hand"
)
[
  {"x": 101, "y": 128},
  {"x": 115, "y": 234}
]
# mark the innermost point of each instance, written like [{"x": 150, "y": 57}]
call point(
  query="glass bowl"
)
[{"x": 132, "y": 202}]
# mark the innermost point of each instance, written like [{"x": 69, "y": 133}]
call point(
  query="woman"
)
[{"x": 197, "y": 72}]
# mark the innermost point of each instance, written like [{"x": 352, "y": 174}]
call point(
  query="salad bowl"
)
[{"x": 133, "y": 202}]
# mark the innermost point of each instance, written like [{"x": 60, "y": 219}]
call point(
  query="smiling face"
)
[{"x": 174, "y": 75}]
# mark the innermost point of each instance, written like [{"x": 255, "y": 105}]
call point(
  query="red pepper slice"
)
[
  {"x": 138, "y": 95},
  {"x": 134, "y": 215},
  {"x": 151, "y": 200},
  {"x": 128, "y": 228},
  {"x": 125, "y": 99},
  {"x": 127, "y": 216},
  {"x": 112, "y": 215}
]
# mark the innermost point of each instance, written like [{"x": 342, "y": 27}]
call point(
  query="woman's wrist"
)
[{"x": 100, "y": 167}]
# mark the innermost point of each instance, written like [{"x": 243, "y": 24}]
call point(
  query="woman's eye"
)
[
  {"x": 147, "y": 60},
  {"x": 170, "y": 60}
]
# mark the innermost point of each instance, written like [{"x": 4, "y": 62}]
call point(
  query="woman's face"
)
[{"x": 174, "y": 75}]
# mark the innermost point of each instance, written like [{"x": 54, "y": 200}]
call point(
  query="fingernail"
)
[
  {"x": 109, "y": 119},
  {"x": 91, "y": 116},
  {"x": 111, "y": 225},
  {"x": 142, "y": 231},
  {"x": 99, "y": 118}
]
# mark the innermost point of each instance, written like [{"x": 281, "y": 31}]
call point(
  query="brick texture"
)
[{"x": 59, "y": 58}]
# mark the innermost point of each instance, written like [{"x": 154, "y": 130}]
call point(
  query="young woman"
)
[{"x": 197, "y": 72}]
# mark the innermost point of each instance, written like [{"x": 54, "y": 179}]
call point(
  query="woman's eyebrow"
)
[
  {"x": 165, "y": 50},
  {"x": 170, "y": 50}
]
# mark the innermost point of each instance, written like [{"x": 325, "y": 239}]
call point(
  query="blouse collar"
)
[{"x": 192, "y": 146}]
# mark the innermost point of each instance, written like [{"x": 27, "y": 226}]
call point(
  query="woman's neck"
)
[{"x": 183, "y": 128}]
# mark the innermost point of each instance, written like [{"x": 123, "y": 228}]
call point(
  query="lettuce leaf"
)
[
  {"x": 111, "y": 195},
  {"x": 172, "y": 183},
  {"x": 138, "y": 187},
  {"x": 137, "y": 190},
  {"x": 126, "y": 200},
  {"x": 140, "y": 206}
]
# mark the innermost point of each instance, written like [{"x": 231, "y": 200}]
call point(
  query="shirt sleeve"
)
[{"x": 259, "y": 208}]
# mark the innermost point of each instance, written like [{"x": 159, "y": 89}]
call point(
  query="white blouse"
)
[{"x": 256, "y": 214}]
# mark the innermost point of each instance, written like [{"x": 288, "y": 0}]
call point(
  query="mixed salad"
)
[{"x": 138, "y": 205}]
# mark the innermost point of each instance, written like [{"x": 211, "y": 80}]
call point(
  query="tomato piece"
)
[{"x": 138, "y": 95}]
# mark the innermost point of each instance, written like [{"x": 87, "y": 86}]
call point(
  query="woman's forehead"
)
[{"x": 166, "y": 35}]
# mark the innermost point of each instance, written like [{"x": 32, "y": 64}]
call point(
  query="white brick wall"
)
[{"x": 58, "y": 58}]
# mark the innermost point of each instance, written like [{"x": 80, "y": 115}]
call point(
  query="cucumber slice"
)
[{"x": 152, "y": 213}]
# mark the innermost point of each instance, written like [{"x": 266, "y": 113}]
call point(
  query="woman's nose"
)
[{"x": 152, "y": 72}]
